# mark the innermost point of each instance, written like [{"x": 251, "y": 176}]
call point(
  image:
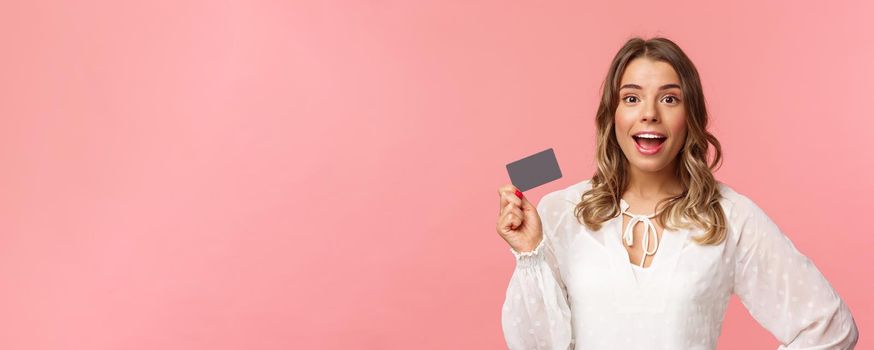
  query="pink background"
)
[{"x": 323, "y": 175}]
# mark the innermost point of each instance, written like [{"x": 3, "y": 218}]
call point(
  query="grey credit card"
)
[{"x": 534, "y": 170}]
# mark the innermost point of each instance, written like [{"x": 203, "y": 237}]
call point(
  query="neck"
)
[{"x": 653, "y": 185}]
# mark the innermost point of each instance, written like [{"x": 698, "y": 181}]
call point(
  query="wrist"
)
[{"x": 527, "y": 250}]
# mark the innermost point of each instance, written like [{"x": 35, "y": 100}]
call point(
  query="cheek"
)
[
  {"x": 675, "y": 121},
  {"x": 623, "y": 120},
  {"x": 679, "y": 128}
]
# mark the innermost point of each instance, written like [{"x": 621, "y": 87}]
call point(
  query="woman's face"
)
[{"x": 650, "y": 100}]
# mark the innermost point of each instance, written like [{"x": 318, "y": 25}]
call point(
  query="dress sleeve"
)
[
  {"x": 785, "y": 292},
  {"x": 536, "y": 314}
]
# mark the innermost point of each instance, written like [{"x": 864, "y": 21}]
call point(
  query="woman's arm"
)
[
  {"x": 784, "y": 291},
  {"x": 536, "y": 314}
]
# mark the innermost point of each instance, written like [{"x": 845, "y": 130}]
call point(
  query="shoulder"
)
[
  {"x": 747, "y": 221},
  {"x": 736, "y": 205}
]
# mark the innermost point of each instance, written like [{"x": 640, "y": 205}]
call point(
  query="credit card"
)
[{"x": 534, "y": 170}]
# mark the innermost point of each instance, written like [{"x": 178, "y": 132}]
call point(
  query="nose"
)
[{"x": 650, "y": 113}]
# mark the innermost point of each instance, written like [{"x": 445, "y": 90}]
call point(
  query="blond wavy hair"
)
[{"x": 698, "y": 204}]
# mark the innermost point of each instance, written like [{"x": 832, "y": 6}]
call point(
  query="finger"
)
[
  {"x": 525, "y": 204},
  {"x": 513, "y": 221},
  {"x": 504, "y": 224},
  {"x": 507, "y": 218},
  {"x": 517, "y": 211},
  {"x": 507, "y": 194},
  {"x": 508, "y": 197},
  {"x": 501, "y": 191},
  {"x": 508, "y": 208}
]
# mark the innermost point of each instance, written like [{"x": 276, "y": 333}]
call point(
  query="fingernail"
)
[{"x": 519, "y": 194}]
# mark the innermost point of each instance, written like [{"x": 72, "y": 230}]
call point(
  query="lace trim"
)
[{"x": 536, "y": 250}]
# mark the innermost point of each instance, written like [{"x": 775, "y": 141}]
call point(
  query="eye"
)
[
  {"x": 673, "y": 99},
  {"x": 630, "y": 96}
]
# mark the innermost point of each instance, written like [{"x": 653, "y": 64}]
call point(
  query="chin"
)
[
  {"x": 650, "y": 167},
  {"x": 650, "y": 164}
]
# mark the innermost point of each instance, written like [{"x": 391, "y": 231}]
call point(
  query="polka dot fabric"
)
[{"x": 578, "y": 289}]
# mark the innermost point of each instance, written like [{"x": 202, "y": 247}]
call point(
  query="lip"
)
[{"x": 647, "y": 152}]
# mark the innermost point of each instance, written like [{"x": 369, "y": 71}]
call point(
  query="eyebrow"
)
[{"x": 664, "y": 87}]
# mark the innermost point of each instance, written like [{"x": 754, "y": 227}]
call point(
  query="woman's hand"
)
[{"x": 518, "y": 221}]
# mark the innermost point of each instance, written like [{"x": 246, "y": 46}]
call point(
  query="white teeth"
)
[{"x": 650, "y": 136}]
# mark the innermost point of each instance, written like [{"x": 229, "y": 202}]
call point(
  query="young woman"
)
[{"x": 645, "y": 254}]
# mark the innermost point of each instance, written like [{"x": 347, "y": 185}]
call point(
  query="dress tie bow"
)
[{"x": 649, "y": 228}]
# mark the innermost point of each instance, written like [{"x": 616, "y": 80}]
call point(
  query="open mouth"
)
[{"x": 649, "y": 142}]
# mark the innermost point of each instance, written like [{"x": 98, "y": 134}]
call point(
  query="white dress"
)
[{"x": 578, "y": 289}]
